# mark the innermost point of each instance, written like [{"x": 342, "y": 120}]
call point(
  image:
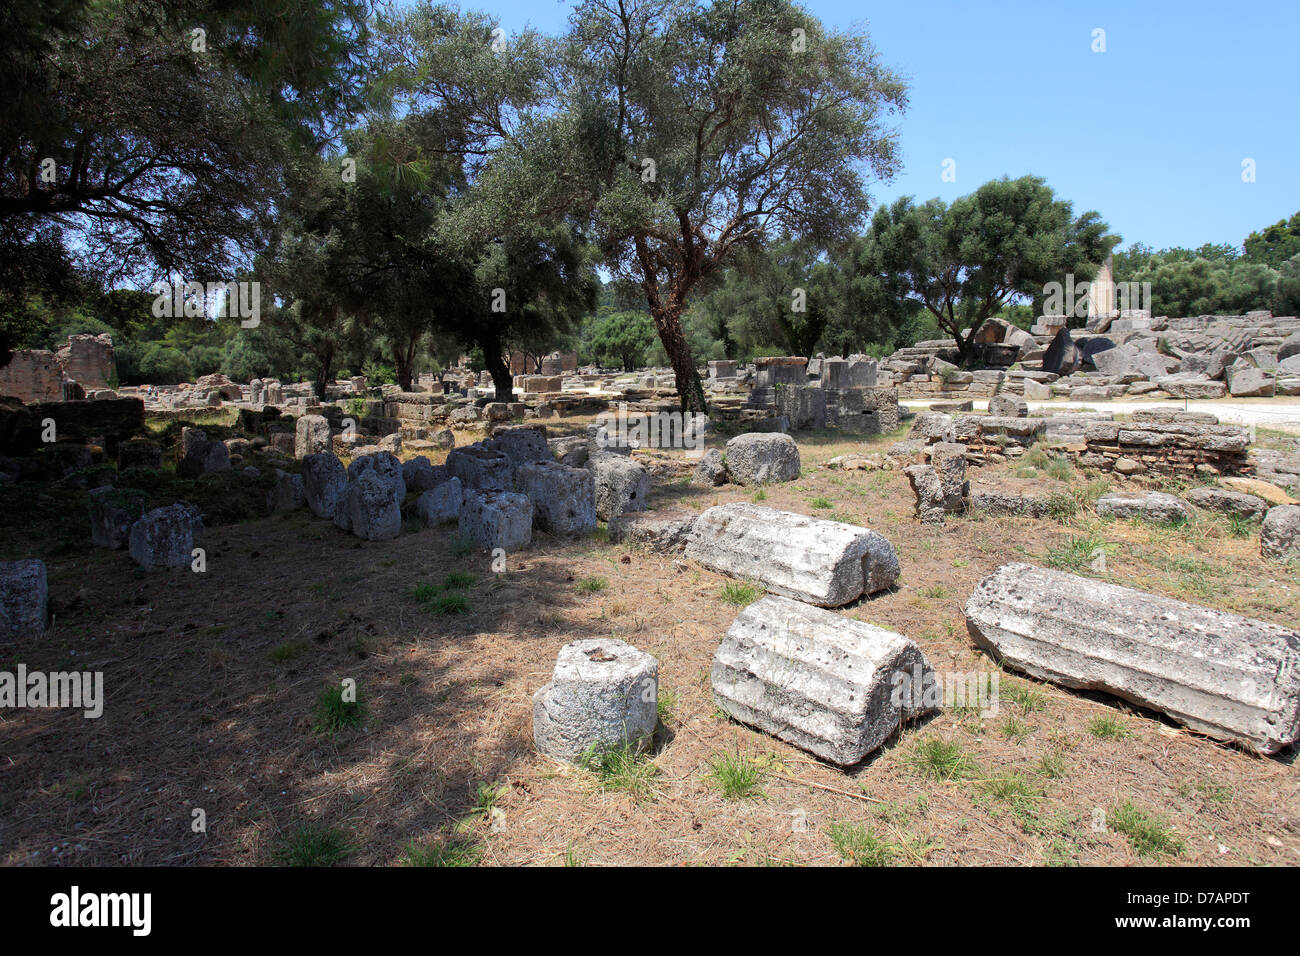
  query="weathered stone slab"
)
[
  {"x": 200, "y": 455},
  {"x": 1279, "y": 536},
  {"x": 164, "y": 537},
  {"x": 1148, "y": 506},
  {"x": 665, "y": 530},
  {"x": 442, "y": 502},
  {"x": 1228, "y": 502},
  {"x": 827, "y": 684},
  {"x": 24, "y": 594},
  {"x": 521, "y": 443},
  {"x": 758, "y": 458},
  {"x": 564, "y": 498},
  {"x": 374, "y": 509},
  {"x": 622, "y": 485},
  {"x": 496, "y": 519},
  {"x": 324, "y": 480},
  {"x": 1230, "y": 677},
  {"x": 711, "y": 470},
  {"x": 603, "y": 696},
  {"x": 809, "y": 559},
  {"x": 482, "y": 468},
  {"x": 311, "y": 436},
  {"x": 1003, "y": 405}
]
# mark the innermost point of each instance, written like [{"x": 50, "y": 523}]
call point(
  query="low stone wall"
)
[{"x": 1167, "y": 448}]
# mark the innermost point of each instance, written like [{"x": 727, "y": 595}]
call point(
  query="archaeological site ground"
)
[{"x": 431, "y": 440}]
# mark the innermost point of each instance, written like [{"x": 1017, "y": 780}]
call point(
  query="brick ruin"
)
[{"x": 1169, "y": 443}]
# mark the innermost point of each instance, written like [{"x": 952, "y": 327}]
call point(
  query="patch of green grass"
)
[
  {"x": 1060, "y": 469},
  {"x": 312, "y": 844},
  {"x": 1076, "y": 554},
  {"x": 822, "y": 504},
  {"x": 283, "y": 653},
  {"x": 759, "y": 495},
  {"x": 1052, "y": 766},
  {"x": 738, "y": 776},
  {"x": 1107, "y": 727},
  {"x": 462, "y": 546},
  {"x": 1062, "y": 506},
  {"x": 438, "y": 601},
  {"x": 624, "y": 768},
  {"x": 1013, "y": 728},
  {"x": 1240, "y": 526},
  {"x": 487, "y": 797},
  {"x": 1148, "y": 833},
  {"x": 740, "y": 593},
  {"x": 936, "y": 592},
  {"x": 591, "y": 585},
  {"x": 1024, "y": 696},
  {"x": 444, "y": 853},
  {"x": 459, "y": 579},
  {"x": 941, "y": 759},
  {"x": 333, "y": 713},
  {"x": 860, "y": 846},
  {"x": 666, "y": 706}
]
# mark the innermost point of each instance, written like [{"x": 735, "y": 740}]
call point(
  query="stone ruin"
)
[
  {"x": 85, "y": 362},
  {"x": 1118, "y": 354}
]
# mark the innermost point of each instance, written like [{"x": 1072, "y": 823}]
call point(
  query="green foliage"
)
[
  {"x": 860, "y": 846},
  {"x": 1148, "y": 833},
  {"x": 333, "y": 712},
  {"x": 619, "y": 339},
  {"x": 312, "y": 844},
  {"x": 963, "y": 262},
  {"x": 737, "y": 775}
]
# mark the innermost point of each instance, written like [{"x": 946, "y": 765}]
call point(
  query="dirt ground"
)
[{"x": 213, "y": 680}]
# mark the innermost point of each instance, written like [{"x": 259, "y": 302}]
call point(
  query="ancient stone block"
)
[
  {"x": 603, "y": 696},
  {"x": 755, "y": 459},
  {"x": 1226, "y": 676},
  {"x": 665, "y": 530},
  {"x": 164, "y": 537},
  {"x": 621, "y": 485},
  {"x": 564, "y": 499},
  {"x": 821, "y": 562},
  {"x": 830, "y": 685},
  {"x": 112, "y": 512},
  {"x": 24, "y": 595},
  {"x": 496, "y": 519}
]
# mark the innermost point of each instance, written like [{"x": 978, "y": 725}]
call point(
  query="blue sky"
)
[{"x": 1151, "y": 133}]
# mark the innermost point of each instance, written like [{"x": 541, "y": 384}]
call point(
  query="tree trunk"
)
[
  {"x": 500, "y": 372},
  {"x": 668, "y": 323}
]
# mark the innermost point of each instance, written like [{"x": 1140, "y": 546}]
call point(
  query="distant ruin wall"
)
[{"x": 32, "y": 376}]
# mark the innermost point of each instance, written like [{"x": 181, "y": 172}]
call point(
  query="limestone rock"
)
[
  {"x": 826, "y": 563},
  {"x": 1279, "y": 537},
  {"x": 1226, "y": 676},
  {"x": 164, "y": 537},
  {"x": 603, "y": 696},
  {"x": 311, "y": 436},
  {"x": 664, "y": 531},
  {"x": 481, "y": 468},
  {"x": 324, "y": 480},
  {"x": 496, "y": 519},
  {"x": 442, "y": 502},
  {"x": 24, "y": 594},
  {"x": 287, "y": 494},
  {"x": 1149, "y": 506},
  {"x": 1228, "y": 502},
  {"x": 711, "y": 470},
  {"x": 622, "y": 485},
  {"x": 564, "y": 498},
  {"x": 759, "y": 458},
  {"x": 1008, "y": 406},
  {"x": 830, "y": 685}
]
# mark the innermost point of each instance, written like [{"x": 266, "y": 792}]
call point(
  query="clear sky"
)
[{"x": 1151, "y": 133}]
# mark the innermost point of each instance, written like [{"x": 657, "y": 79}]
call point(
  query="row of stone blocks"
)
[
  {"x": 496, "y": 490},
  {"x": 839, "y": 688}
]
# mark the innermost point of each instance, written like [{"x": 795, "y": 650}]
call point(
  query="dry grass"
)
[{"x": 203, "y": 712}]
